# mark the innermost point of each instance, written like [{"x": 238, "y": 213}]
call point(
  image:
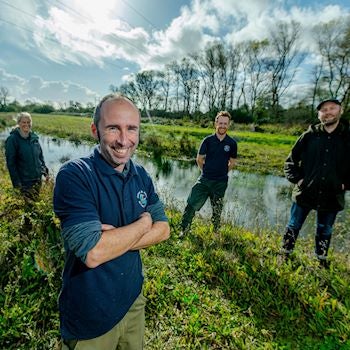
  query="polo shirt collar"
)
[
  {"x": 217, "y": 138},
  {"x": 107, "y": 169}
]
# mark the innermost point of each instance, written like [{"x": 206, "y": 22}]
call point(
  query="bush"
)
[
  {"x": 187, "y": 146},
  {"x": 152, "y": 143},
  {"x": 43, "y": 109}
]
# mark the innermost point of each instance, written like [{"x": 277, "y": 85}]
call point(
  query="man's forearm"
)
[
  {"x": 231, "y": 164},
  {"x": 200, "y": 161},
  {"x": 115, "y": 242},
  {"x": 159, "y": 232}
]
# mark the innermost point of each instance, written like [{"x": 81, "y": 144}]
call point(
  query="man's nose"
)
[{"x": 122, "y": 137}]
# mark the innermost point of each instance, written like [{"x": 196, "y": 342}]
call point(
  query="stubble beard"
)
[
  {"x": 332, "y": 121},
  {"x": 222, "y": 131}
]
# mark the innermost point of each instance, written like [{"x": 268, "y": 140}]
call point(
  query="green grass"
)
[
  {"x": 206, "y": 291},
  {"x": 258, "y": 152}
]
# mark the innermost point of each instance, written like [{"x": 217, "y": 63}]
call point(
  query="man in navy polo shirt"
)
[
  {"x": 216, "y": 157},
  {"x": 108, "y": 210}
]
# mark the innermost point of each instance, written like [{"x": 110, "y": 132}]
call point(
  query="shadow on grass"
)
[{"x": 296, "y": 301}]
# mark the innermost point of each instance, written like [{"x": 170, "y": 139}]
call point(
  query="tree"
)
[
  {"x": 113, "y": 88},
  {"x": 333, "y": 42},
  {"x": 173, "y": 67},
  {"x": 208, "y": 63},
  {"x": 164, "y": 79},
  {"x": 4, "y": 92},
  {"x": 187, "y": 75},
  {"x": 234, "y": 60},
  {"x": 283, "y": 61},
  {"x": 317, "y": 72},
  {"x": 146, "y": 84},
  {"x": 254, "y": 74},
  {"x": 128, "y": 89}
]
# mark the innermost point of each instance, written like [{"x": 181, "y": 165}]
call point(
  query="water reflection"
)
[
  {"x": 252, "y": 201},
  {"x": 164, "y": 166}
]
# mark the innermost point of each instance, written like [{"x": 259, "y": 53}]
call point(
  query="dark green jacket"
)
[
  {"x": 323, "y": 161},
  {"x": 24, "y": 158}
]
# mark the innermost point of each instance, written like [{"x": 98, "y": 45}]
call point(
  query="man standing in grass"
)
[
  {"x": 108, "y": 210},
  {"x": 216, "y": 157},
  {"x": 319, "y": 166}
]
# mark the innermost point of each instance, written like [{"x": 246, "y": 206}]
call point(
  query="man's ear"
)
[{"x": 94, "y": 131}]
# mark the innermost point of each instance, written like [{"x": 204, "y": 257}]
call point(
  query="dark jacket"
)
[
  {"x": 24, "y": 158},
  {"x": 323, "y": 160}
]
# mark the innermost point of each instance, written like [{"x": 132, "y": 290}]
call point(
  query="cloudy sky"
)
[{"x": 75, "y": 49}]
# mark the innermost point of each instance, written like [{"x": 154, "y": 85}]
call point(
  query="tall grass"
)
[{"x": 226, "y": 290}]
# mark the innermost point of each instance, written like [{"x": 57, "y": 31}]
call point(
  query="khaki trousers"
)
[{"x": 127, "y": 334}]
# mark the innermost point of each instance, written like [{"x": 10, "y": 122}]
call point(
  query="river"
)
[{"x": 253, "y": 201}]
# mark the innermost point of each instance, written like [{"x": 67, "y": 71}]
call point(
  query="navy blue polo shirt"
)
[
  {"x": 93, "y": 301},
  {"x": 217, "y": 154}
]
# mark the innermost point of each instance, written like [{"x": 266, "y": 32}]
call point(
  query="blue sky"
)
[{"x": 75, "y": 49}]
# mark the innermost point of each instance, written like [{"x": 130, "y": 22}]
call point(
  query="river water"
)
[{"x": 252, "y": 201}]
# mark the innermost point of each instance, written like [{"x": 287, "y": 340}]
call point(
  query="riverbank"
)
[
  {"x": 258, "y": 152},
  {"x": 205, "y": 291}
]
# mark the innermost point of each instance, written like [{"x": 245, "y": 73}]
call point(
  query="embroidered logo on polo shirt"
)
[
  {"x": 227, "y": 148},
  {"x": 142, "y": 198}
]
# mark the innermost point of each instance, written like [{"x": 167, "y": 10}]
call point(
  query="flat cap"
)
[{"x": 334, "y": 100}]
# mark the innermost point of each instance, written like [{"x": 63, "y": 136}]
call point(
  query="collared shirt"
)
[
  {"x": 217, "y": 155},
  {"x": 87, "y": 190}
]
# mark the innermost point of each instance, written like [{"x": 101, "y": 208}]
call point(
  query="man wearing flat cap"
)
[{"x": 319, "y": 165}]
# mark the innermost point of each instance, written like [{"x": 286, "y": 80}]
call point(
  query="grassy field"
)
[
  {"x": 259, "y": 152},
  {"x": 205, "y": 291}
]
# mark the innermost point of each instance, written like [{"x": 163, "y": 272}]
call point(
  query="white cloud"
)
[
  {"x": 80, "y": 31},
  {"x": 15, "y": 84},
  {"x": 248, "y": 9},
  {"x": 88, "y": 33},
  {"x": 39, "y": 90},
  {"x": 92, "y": 33}
]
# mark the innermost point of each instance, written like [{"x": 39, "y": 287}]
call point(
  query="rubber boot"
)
[
  {"x": 322, "y": 243},
  {"x": 289, "y": 239}
]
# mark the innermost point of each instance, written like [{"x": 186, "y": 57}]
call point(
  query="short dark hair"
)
[
  {"x": 223, "y": 114},
  {"x": 109, "y": 97}
]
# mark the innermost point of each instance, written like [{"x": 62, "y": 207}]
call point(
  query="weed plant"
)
[{"x": 225, "y": 290}]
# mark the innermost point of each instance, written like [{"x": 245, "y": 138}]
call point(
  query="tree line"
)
[{"x": 251, "y": 79}]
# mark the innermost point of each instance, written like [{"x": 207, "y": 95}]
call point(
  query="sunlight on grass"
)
[{"x": 208, "y": 290}]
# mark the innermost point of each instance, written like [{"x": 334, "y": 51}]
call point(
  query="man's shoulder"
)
[
  {"x": 230, "y": 139},
  {"x": 312, "y": 130},
  {"x": 209, "y": 137},
  {"x": 138, "y": 169}
]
